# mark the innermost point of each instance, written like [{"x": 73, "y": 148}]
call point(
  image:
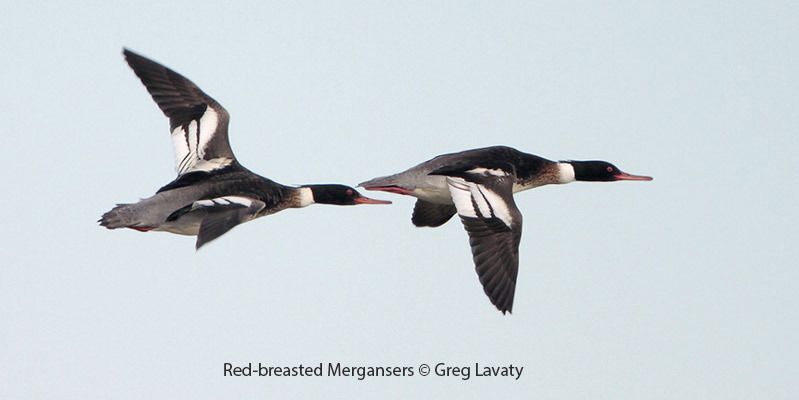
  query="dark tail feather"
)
[{"x": 120, "y": 216}]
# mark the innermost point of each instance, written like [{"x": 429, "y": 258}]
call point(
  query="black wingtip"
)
[
  {"x": 503, "y": 303},
  {"x": 129, "y": 53},
  {"x": 200, "y": 242},
  {"x": 133, "y": 57}
]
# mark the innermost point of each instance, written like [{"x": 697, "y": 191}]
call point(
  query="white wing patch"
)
[
  {"x": 212, "y": 164},
  {"x": 190, "y": 143},
  {"x": 476, "y": 201},
  {"x": 222, "y": 201},
  {"x": 487, "y": 171},
  {"x": 462, "y": 197}
]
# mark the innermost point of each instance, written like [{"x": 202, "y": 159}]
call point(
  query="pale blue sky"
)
[{"x": 684, "y": 287}]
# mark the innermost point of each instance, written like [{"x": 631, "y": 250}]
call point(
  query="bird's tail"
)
[{"x": 121, "y": 216}]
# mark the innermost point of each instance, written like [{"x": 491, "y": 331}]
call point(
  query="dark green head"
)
[
  {"x": 340, "y": 195},
  {"x": 602, "y": 171}
]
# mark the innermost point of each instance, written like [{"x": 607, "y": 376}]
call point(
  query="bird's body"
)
[
  {"x": 532, "y": 171},
  {"x": 212, "y": 192},
  {"x": 434, "y": 194},
  {"x": 479, "y": 185},
  {"x": 234, "y": 182}
]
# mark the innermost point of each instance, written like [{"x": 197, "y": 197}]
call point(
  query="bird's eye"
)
[
  {"x": 349, "y": 192},
  {"x": 610, "y": 169}
]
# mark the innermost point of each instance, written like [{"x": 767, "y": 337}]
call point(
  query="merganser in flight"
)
[
  {"x": 479, "y": 184},
  {"x": 212, "y": 192}
]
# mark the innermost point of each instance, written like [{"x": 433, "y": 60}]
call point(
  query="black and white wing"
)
[
  {"x": 219, "y": 215},
  {"x": 224, "y": 213},
  {"x": 199, "y": 124},
  {"x": 484, "y": 199}
]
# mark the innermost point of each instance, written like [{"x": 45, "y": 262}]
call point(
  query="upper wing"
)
[
  {"x": 484, "y": 200},
  {"x": 198, "y": 123}
]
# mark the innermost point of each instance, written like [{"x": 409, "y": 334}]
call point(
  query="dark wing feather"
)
[
  {"x": 218, "y": 222},
  {"x": 495, "y": 250},
  {"x": 430, "y": 214},
  {"x": 183, "y": 103},
  {"x": 483, "y": 196},
  {"x": 221, "y": 218}
]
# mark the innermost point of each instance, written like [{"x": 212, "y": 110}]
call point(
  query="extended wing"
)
[
  {"x": 484, "y": 200},
  {"x": 199, "y": 124}
]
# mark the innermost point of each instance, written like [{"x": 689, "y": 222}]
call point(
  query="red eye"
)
[
  {"x": 349, "y": 192},
  {"x": 610, "y": 169}
]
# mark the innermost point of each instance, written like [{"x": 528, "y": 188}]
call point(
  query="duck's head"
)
[
  {"x": 340, "y": 195},
  {"x": 602, "y": 171}
]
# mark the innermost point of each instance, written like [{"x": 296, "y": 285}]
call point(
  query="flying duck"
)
[
  {"x": 479, "y": 185},
  {"x": 212, "y": 192}
]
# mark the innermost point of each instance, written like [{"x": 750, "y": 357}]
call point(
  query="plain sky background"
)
[{"x": 680, "y": 288}]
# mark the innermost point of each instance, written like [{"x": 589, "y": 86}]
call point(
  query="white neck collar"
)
[
  {"x": 306, "y": 197},
  {"x": 565, "y": 172}
]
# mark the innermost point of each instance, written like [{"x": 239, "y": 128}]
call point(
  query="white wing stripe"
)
[
  {"x": 481, "y": 201},
  {"x": 461, "y": 196},
  {"x": 223, "y": 201},
  {"x": 498, "y": 204},
  {"x": 208, "y": 125},
  {"x": 191, "y": 141},
  {"x": 487, "y": 171},
  {"x": 466, "y": 195},
  {"x": 181, "y": 146}
]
